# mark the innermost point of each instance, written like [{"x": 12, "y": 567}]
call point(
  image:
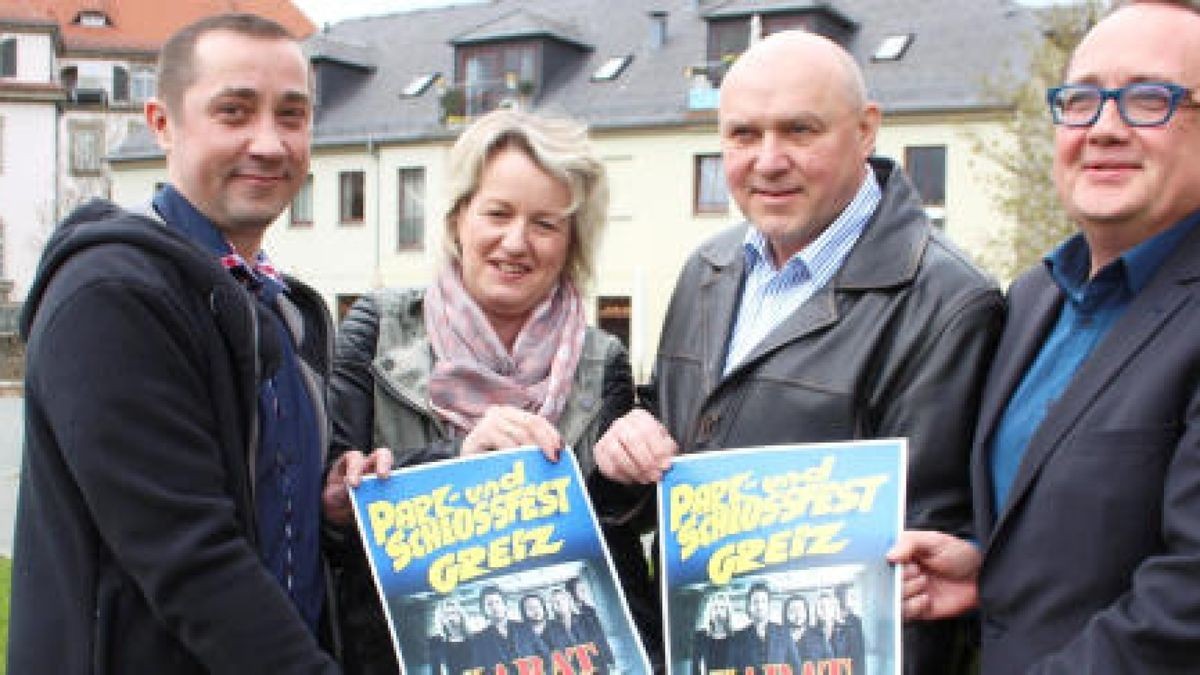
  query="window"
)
[
  {"x": 8, "y": 57},
  {"x": 419, "y": 84},
  {"x": 926, "y": 166},
  {"x": 711, "y": 194},
  {"x": 87, "y": 148},
  {"x": 613, "y": 314},
  {"x": 142, "y": 84},
  {"x": 612, "y": 68},
  {"x": 302, "y": 205},
  {"x": 410, "y": 232},
  {"x": 92, "y": 18},
  {"x": 351, "y": 197},
  {"x": 892, "y": 47},
  {"x": 120, "y": 84},
  {"x": 493, "y": 73},
  {"x": 727, "y": 39}
]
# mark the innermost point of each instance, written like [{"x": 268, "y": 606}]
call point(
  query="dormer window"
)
[
  {"x": 892, "y": 47},
  {"x": 92, "y": 19},
  {"x": 612, "y": 68},
  {"x": 493, "y": 73},
  {"x": 733, "y": 25},
  {"x": 510, "y": 60}
]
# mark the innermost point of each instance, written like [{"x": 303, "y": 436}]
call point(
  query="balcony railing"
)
[{"x": 463, "y": 101}]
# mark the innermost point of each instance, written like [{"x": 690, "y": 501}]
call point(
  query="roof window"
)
[
  {"x": 419, "y": 85},
  {"x": 93, "y": 19},
  {"x": 893, "y": 47},
  {"x": 612, "y": 68}
]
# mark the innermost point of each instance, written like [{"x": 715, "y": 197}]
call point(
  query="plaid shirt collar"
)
[{"x": 260, "y": 276}]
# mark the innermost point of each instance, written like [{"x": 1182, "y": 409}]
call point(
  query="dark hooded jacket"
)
[{"x": 135, "y": 548}]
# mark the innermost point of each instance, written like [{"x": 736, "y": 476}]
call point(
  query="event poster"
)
[
  {"x": 774, "y": 559},
  {"x": 494, "y": 565}
]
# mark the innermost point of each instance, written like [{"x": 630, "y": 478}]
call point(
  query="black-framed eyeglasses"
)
[{"x": 1141, "y": 104}]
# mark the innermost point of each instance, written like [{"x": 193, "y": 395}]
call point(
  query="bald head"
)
[
  {"x": 796, "y": 130},
  {"x": 822, "y": 60}
]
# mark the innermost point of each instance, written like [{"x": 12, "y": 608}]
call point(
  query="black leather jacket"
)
[{"x": 897, "y": 345}]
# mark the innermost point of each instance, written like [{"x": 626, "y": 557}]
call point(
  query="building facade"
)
[
  {"x": 73, "y": 77},
  {"x": 393, "y": 91}
]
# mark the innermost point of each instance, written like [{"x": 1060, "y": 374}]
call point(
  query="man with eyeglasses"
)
[{"x": 1086, "y": 466}]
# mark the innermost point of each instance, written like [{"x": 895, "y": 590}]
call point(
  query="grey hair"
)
[{"x": 561, "y": 148}]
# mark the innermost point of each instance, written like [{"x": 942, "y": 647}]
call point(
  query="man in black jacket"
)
[
  {"x": 171, "y": 491},
  {"x": 835, "y": 313}
]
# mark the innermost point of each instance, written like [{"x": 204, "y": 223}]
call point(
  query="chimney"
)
[{"x": 658, "y": 29}]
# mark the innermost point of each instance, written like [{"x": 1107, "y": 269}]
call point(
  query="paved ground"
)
[{"x": 12, "y": 424}]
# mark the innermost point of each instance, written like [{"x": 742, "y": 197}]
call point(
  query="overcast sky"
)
[{"x": 332, "y": 11}]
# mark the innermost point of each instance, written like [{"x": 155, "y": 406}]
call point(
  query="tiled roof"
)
[
  {"x": 520, "y": 23},
  {"x": 958, "y": 46},
  {"x": 142, "y": 25}
]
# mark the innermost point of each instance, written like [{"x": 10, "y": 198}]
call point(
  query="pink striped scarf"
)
[{"x": 472, "y": 368}]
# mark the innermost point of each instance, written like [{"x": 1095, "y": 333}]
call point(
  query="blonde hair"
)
[{"x": 561, "y": 148}]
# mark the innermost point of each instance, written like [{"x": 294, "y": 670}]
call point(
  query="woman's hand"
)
[{"x": 504, "y": 426}]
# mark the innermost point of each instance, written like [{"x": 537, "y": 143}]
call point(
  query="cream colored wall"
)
[
  {"x": 971, "y": 217},
  {"x": 27, "y": 206},
  {"x": 652, "y": 228}
]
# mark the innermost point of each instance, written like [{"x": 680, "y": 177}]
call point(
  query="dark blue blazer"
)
[{"x": 1093, "y": 565}]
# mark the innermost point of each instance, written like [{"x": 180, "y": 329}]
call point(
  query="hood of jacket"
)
[{"x": 100, "y": 222}]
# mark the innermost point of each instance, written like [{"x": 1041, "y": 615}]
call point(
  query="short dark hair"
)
[
  {"x": 532, "y": 596},
  {"x": 758, "y": 587},
  {"x": 177, "y": 58},
  {"x": 490, "y": 589}
]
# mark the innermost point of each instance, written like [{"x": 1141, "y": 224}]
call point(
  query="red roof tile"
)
[{"x": 143, "y": 25}]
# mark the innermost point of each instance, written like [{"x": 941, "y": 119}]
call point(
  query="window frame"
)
[
  {"x": 708, "y": 207},
  {"x": 9, "y": 63},
  {"x": 345, "y": 211},
  {"x": 306, "y": 193},
  {"x": 914, "y": 156},
  {"x": 77, "y": 130},
  {"x": 415, "y": 220}
]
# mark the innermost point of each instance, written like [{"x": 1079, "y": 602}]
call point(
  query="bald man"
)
[
  {"x": 1086, "y": 468},
  {"x": 836, "y": 312}
]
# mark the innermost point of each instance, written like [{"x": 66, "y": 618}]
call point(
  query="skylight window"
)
[
  {"x": 612, "y": 68},
  {"x": 92, "y": 18},
  {"x": 419, "y": 84},
  {"x": 893, "y": 47}
]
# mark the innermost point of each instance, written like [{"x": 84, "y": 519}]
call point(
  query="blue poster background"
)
[
  {"x": 811, "y": 523},
  {"x": 512, "y": 519}
]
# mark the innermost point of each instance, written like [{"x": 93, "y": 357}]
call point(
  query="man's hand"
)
[
  {"x": 635, "y": 449},
  {"x": 504, "y": 426},
  {"x": 347, "y": 472},
  {"x": 940, "y": 574}
]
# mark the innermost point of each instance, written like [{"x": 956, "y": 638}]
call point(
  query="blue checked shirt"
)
[{"x": 771, "y": 295}]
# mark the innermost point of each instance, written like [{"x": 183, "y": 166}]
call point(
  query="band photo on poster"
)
[
  {"x": 773, "y": 560},
  {"x": 494, "y": 565}
]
